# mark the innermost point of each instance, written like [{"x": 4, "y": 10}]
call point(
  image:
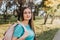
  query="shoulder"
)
[
  {"x": 18, "y": 30},
  {"x": 18, "y": 27}
]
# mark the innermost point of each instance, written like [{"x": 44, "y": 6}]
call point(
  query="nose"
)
[{"x": 27, "y": 13}]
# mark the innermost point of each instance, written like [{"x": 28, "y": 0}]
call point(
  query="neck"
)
[{"x": 25, "y": 22}]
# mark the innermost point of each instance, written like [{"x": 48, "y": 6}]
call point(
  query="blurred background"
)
[{"x": 46, "y": 15}]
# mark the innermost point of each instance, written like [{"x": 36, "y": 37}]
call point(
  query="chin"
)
[{"x": 27, "y": 19}]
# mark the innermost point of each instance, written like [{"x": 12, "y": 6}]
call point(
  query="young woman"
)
[{"x": 27, "y": 21}]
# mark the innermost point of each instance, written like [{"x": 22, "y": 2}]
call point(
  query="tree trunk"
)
[
  {"x": 45, "y": 18},
  {"x": 5, "y": 18},
  {"x": 5, "y": 14},
  {"x": 20, "y": 9},
  {"x": 33, "y": 16},
  {"x": 18, "y": 14},
  {"x": 53, "y": 17}
]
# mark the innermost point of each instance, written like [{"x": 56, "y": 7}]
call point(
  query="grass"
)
[
  {"x": 11, "y": 19},
  {"x": 47, "y": 35},
  {"x": 46, "y": 32},
  {"x": 43, "y": 32}
]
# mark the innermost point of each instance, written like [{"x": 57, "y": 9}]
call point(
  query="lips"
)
[{"x": 28, "y": 16}]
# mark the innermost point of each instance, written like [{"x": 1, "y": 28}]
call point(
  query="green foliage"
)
[{"x": 9, "y": 18}]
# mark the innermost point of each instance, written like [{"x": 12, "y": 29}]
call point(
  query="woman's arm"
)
[
  {"x": 18, "y": 30},
  {"x": 14, "y": 38},
  {"x": 24, "y": 36},
  {"x": 17, "y": 33}
]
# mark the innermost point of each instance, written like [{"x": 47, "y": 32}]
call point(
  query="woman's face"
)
[{"x": 27, "y": 14}]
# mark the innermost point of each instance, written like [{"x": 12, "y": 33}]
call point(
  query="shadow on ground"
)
[{"x": 47, "y": 35}]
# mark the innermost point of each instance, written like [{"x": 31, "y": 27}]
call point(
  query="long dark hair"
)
[{"x": 30, "y": 21}]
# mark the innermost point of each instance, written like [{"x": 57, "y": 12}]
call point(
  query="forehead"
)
[{"x": 27, "y": 10}]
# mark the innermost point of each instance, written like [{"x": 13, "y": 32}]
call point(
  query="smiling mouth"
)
[{"x": 27, "y": 17}]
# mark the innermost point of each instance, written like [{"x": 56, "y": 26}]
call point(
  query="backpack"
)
[{"x": 9, "y": 33}]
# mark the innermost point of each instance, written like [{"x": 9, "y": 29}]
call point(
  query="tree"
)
[
  {"x": 51, "y": 6},
  {"x": 20, "y": 2},
  {"x": 32, "y": 6}
]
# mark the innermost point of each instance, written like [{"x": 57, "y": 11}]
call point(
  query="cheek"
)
[
  {"x": 30, "y": 16},
  {"x": 27, "y": 16},
  {"x": 24, "y": 16}
]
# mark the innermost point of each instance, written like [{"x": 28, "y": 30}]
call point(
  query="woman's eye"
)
[
  {"x": 25, "y": 12},
  {"x": 29, "y": 12}
]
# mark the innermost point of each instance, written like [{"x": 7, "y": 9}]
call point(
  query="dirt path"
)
[{"x": 57, "y": 36}]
